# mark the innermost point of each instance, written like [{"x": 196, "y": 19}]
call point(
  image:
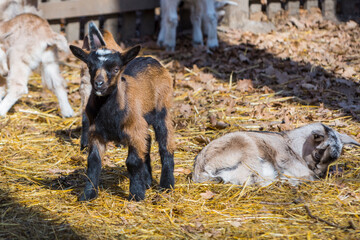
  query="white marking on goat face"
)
[
  {"x": 103, "y": 51},
  {"x": 102, "y": 59}
]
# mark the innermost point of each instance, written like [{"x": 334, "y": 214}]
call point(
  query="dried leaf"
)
[{"x": 207, "y": 195}]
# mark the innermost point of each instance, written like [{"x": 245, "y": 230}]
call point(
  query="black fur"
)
[
  {"x": 84, "y": 131},
  {"x": 139, "y": 64},
  {"x": 157, "y": 120}
]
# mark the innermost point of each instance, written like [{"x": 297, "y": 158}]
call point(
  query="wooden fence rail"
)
[{"x": 125, "y": 17}]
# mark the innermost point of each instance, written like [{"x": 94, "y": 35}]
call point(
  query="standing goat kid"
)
[
  {"x": 128, "y": 94},
  {"x": 202, "y": 11},
  {"x": 262, "y": 157},
  {"x": 27, "y": 41}
]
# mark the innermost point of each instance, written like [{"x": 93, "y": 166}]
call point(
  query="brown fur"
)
[{"x": 155, "y": 86}]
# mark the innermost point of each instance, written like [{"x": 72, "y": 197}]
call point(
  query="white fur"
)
[
  {"x": 103, "y": 51},
  {"x": 27, "y": 47},
  {"x": 202, "y": 12}
]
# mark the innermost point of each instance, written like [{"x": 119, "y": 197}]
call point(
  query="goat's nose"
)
[{"x": 99, "y": 83}]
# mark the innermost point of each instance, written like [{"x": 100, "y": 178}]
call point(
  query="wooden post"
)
[
  {"x": 237, "y": 15},
  {"x": 255, "y": 7},
  {"x": 329, "y": 9},
  {"x": 147, "y": 25},
  {"x": 293, "y": 6},
  {"x": 128, "y": 27},
  {"x": 273, "y": 7},
  {"x": 311, "y": 4}
]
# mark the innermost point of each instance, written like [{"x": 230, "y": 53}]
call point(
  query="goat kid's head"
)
[
  {"x": 105, "y": 65},
  {"x": 327, "y": 145}
]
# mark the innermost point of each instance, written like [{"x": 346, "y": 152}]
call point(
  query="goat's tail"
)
[{"x": 60, "y": 42}]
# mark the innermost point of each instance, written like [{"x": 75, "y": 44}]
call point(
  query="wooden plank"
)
[{"x": 79, "y": 8}]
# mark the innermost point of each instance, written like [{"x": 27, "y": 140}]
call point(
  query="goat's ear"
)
[
  {"x": 345, "y": 139},
  {"x": 79, "y": 53},
  {"x": 96, "y": 39},
  {"x": 130, "y": 54},
  {"x": 86, "y": 44}
]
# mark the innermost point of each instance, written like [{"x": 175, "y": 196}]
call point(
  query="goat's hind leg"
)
[
  {"x": 210, "y": 19},
  {"x": 137, "y": 171},
  {"x": 147, "y": 171},
  {"x": 54, "y": 81},
  {"x": 164, "y": 136}
]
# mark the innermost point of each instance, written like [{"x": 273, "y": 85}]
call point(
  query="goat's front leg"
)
[
  {"x": 85, "y": 124},
  {"x": 164, "y": 135},
  {"x": 97, "y": 148},
  {"x": 16, "y": 83}
]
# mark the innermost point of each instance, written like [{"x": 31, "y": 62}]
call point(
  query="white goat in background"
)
[
  {"x": 262, "y": 157},
  {"x": 27, "y": 41},
  {"x": 201, "y": 11}
]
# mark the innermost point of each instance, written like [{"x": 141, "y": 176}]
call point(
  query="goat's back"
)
[
  {"x": 253, "y": 150},
  {"x": 28, "y": 32},
  {"x": 147, "y": 85}
]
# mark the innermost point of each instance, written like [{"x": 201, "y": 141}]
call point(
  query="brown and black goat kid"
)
[{"x": 128, "y": 94}]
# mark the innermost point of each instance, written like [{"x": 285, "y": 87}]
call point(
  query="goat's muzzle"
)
[{"x": 99, "y": 86}]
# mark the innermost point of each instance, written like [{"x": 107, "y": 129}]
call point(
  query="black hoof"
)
[
  {"x": 88, "y": 195},
  {"x": 136, "y": 197},
  {"x": 167, "y": 182}
]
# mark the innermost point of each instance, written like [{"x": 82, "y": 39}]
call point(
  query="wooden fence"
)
[
  {"x": 121, "y": 17},
  {"x": 128, "y": 18}
]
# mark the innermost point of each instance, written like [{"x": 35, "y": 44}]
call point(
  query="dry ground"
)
[{"x": 307, "y": 71}]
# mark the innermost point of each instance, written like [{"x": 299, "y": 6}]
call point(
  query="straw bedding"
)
[{"x": 42, "y": 170}]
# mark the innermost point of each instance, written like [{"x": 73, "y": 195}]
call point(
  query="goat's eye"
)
[
  {"x": 318, "y": 137},
  {"x": 116, "y": 70}
]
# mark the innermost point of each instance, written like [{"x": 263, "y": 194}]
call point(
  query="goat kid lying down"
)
[
  {"x": 263, "y": 157},
  {"x": 128, "y": 94},
  {"x": 27, "y": 41}
]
